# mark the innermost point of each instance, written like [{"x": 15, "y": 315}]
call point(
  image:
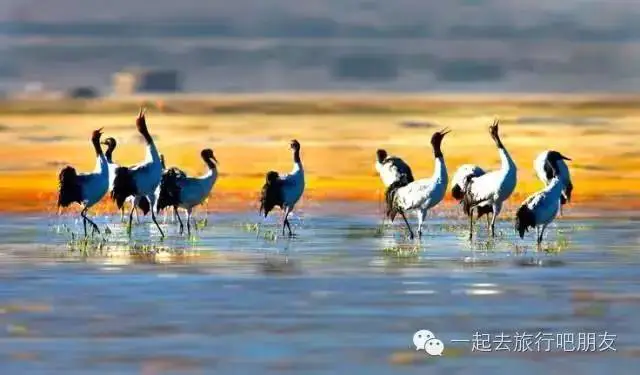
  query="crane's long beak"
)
[
  {"x": 564, "y": 157},
  {"x": 215, "y": 160}
]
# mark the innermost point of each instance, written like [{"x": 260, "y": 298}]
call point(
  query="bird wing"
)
[
  {"x": 146, "y": 176},
  {"x": 463, "y": 172},
  {"x": 415, "y": 194},
  {"x": 291, "y": 187},
  {"x": 483, "y": 188},
  {"x": 92, "y": 185},
  {"x": 393, "y": 169},
  {"x": 194, "y": 190},
  {"x": 544, "y": 205},
  {"x": 534, "y": 200},
  {"x": 289, "y": 179}
]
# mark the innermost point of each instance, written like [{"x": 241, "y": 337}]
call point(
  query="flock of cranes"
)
[{"x": 151, "y": 187}]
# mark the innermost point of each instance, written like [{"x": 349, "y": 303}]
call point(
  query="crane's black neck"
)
[
  {"x": 96, "y": 146},
  {"x": 437, "y": 152},
  {"x": 296, "y": 156},
  {"x": 141, "y": 124},
  {"x": 499, "y": 144},
  {"x": 147, "y": 137},
  {"x": 109, "y": 154},
  {"x": 209, "y": 163}
]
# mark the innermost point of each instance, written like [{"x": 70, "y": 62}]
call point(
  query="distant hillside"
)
[{"x": 267, "y": 45}]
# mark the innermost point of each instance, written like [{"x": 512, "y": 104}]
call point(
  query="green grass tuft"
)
[{"x": 402, "y": 251}]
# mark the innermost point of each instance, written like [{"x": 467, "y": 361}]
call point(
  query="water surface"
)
[{"x": 338, "y": 298}]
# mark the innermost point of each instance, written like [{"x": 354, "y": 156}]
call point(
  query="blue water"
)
[{"x": 334, "y": 299}]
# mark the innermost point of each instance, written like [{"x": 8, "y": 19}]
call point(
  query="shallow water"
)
[{"x": 334, "y": 299}]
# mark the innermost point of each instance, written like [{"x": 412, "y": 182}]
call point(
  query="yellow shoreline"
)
[{"x": 339, "y": 135}]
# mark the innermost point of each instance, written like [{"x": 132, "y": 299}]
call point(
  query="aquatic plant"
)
[
  {"x": 402, "y": 251},
  {"x": 269, "y": 234},
  {"x": 202, "y": 223}
]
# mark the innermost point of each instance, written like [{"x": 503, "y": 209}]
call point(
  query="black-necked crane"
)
[
  {"x": 486, "y": 192},
  {"x": 87, "y": 189},
  {"x": 179, "y": 190},
  {"x": 541, "y": 208},
  {"x": 422, "y": 195},
  {"x": 394, "y": 173},
  {"x": 542, "y": 163},
  {"x": 284, "y": 191},
  {"x": 143, "y": 204},
  {"x": 141, "y": 180}
]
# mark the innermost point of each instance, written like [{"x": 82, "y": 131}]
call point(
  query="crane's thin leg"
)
[
  {"x": 422, "y": 215},
  {"x": 189, "y": 222},
  {"x": 130, "y": 220},
  {"x": 122, "y": 214},
  {"x": 175, "y": 209},
  {"x": 496, "y": 210},
  {"x": 407, "y": 223},
  {"x": 489, "y": 221},
  {"x": 284, "y": 215},
  {"x": 84, "y": 222},
  {"x": 470, "y": 223},
  {"x": 286, "y": 221},
  {"x": 136, "y": 201},
  {"x": 544, "y": 226},
  {"x": 152, "y": 208},
  {"x": 93, "y": 225}
]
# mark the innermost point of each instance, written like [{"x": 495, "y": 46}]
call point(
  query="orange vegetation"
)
[{"x": 338, "y": 140}]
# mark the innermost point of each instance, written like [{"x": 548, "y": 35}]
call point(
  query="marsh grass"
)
[
  {"x": 267, "y": 234},
  {"x": 402, "y": 251},
  {"x": 202, "y": 223},
  {"x": 560, "y": 244},
  {"x": 92, "y": 245}
]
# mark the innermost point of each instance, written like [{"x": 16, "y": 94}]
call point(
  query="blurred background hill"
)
[{"x": 314, "y": 45}]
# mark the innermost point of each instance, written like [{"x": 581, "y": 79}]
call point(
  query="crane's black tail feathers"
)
[
  {"x": 390, "y": 194},
  {"x": 144, "y": 205},
  {"x": 271, "y": 194},
  {"x": 123, "y": 186},
  {"x": 69, "y": 189},
  {"x": 458, "y": 190},
  {"x": 409, "y": 176},
  {"x": 457, "y": 193},
  {"x": 525, "y": 219},
  {"x": 467, "y": 199},
  {"x": 468, "y": 202},
  {"x": 170, "y": 188}
]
